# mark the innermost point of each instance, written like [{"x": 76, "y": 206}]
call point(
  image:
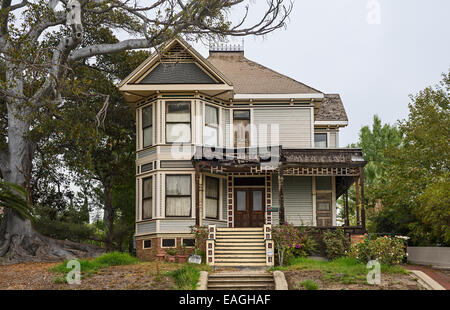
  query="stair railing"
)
[
  {"x": 211, "y": 244},
  {"x": 269, "y": 245}
]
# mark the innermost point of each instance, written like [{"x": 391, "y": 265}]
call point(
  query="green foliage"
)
[
  {"x": 415, "y": 184},
  {"x": 64, "y": 230},
  {"x": 200, "y": 236},
  {"x": 337, "y": 243},
  {"x": 14, "y": 196},
  {"x": 310, "y": 285},
  {"x": 186, "y": 278},
  {"x": 91, "y": 266},
  {"x": 386, "y": 250},
  {"x": 291, "y": 241}
]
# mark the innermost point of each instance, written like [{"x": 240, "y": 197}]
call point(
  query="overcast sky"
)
[{"x": 329, "y": 45}]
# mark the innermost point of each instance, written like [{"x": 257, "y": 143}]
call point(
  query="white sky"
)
[{"x": 329, "y": 45}]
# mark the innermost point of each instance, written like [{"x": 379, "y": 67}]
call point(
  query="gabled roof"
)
[
  {"x": 175, "y": 51},
  {"x": 249, "y": 77},
  {"x": 331, "y": 109}
]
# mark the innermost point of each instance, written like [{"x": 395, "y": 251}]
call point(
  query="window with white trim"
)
[
  {"x": 147, "y": 125},
  {"x": 211, "y": 130},
  {"x": 147, "y": 198},
  {"x": 178, "y": 121},
  {"x": 212, "y": 197},
  {"x": 178, "y": 195}
]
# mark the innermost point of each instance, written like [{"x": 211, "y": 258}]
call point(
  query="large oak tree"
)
[{"x": 41, "y": 42}]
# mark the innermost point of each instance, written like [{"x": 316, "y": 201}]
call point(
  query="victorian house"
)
[{"x": 231, "y": 145}]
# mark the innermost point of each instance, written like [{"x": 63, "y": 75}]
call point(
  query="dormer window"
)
[
  {"x": 147, "y": 125},
  {"x": 320, "y": 140},
  {"x": 210, "y": 134},
  {"x": 178, "y": 122}
]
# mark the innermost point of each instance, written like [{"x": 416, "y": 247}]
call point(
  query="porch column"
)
[
  {"x": 347, "y": 217},
  {"x": 197, "y": 195},
  {"x": 358, "y": 222},
  {"x": 363, "y": 209},
  {"x": 280, "y": 194}
]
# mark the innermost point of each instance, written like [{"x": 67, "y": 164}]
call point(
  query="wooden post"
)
[
  {"x": 281, "y": 194},
  {"x": 347, "y": 216},
  {"x": 197, "y": 195},
  {"x": 358, "y": 221},
  {"x": 363, "y": 208}
]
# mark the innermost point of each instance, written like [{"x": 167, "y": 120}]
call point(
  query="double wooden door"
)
[{"x": 249, "y": 207}]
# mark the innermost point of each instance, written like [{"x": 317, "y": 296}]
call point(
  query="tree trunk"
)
[
  {"x": 108, "y": 219},
  {"x": 19, "y": 241}
]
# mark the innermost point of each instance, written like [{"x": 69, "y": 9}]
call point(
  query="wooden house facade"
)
[{"x": 227, "y": 143}]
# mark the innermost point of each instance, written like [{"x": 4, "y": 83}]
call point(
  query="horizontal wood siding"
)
[
  {"x": 298, "y": 200},
  {"x": 227, "y": 128},
  {"x": 169, "y": 225},
  {"x": 294, "y": 126},
  {"x": 146, "y": 228}
]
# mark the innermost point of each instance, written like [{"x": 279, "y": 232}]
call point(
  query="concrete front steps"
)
[
  {"x": 240, "y": 247},
  {"x": 241, "y": 280}
]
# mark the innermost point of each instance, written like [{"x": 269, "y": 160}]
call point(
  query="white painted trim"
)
[
  {"x": 333, "y": 123},
  {"x": 312, "y": 128},
  {"x": 279, "y": 96}
]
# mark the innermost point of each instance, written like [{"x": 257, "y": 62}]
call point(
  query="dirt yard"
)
[
  {"x": 36, "y": 276},
  {"x": 388, "y": 282}
]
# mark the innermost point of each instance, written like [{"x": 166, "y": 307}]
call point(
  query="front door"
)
[{"x": 249, "y": 208}]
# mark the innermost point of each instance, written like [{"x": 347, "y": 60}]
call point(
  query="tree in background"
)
[
  {"x": 373, "y": 141},
  {"x": 415, "y": 179},
  {"x": 40, "y": 53}
]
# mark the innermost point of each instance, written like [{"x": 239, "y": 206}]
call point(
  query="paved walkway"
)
[{"x": 438, "y": 276}]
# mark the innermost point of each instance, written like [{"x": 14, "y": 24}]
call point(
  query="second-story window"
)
[
  {"x": 241, "y": 124},
  {"x": 178, "y": 122},
  {"x": 211, "y": 130},
  {"x": 320, "y": 140},
  {"x": 147, "y": 126}
]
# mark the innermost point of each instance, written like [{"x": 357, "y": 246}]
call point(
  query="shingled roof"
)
[
  {"x": 249, "y": 77},
  {"x": 331, "y": 109}
]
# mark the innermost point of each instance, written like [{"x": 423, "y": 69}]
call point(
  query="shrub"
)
[
  {"x": 337, "y": 243},
  {"x": 310, "y": 285},
  {"x": 291, "y": 241},
  {"x": 386, "y": 250},
  {"x": 200, "y": 236}
]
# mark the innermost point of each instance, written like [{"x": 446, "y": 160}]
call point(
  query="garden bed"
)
[{"x": 344, "y": 274}]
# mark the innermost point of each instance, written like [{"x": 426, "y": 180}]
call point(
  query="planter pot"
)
[
  {"x": 181, "y": 259},
  {"x": 160, "y": 257},
  {"x": 171, "y": 259}
]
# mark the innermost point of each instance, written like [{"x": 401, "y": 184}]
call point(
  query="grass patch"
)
[
  {"x": 186, "y": 278},
  {"x": 346, "y": 270},
  {"x": 310, "y": 285},
  {"x": 91, "y": 266}
]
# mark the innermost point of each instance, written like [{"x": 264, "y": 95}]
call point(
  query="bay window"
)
[
  {"x": 178, "y": 195},
  {"x": 147, "y": 125},
  {"x": 212, "y": 197},
  {"x": 178, "y": 122},
  {"x": 211, "y": 130},
  {"x": 147, "y": 198}
]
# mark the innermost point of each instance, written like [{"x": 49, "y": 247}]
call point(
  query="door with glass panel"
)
[{"x": 249, "y": 208}]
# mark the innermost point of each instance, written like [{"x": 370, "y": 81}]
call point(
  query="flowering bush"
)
[
  {"x": 386, "y": 250},
  {"x": 337, "y": 243},
  {"x": 292, "y": 241},
  {"x": 200, "y": 236}
]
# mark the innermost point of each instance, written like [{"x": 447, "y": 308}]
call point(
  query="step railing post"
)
[
  {"x": 210, "y": 245},
  {"x": 269, "y": 245}
]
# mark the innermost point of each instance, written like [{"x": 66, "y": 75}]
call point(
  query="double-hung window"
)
[
  {"x": 211, "y": 130},
  {"x": 178, "y": 195},
  {"x": 147, "y": 198},
  {"x": 212, "y": 197},
  {"x": 241, "y": 123},
  {"x": 147, "y": 125},
  {"x": 320, "y": 140},
  {"x": 178, "y": 121}
]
